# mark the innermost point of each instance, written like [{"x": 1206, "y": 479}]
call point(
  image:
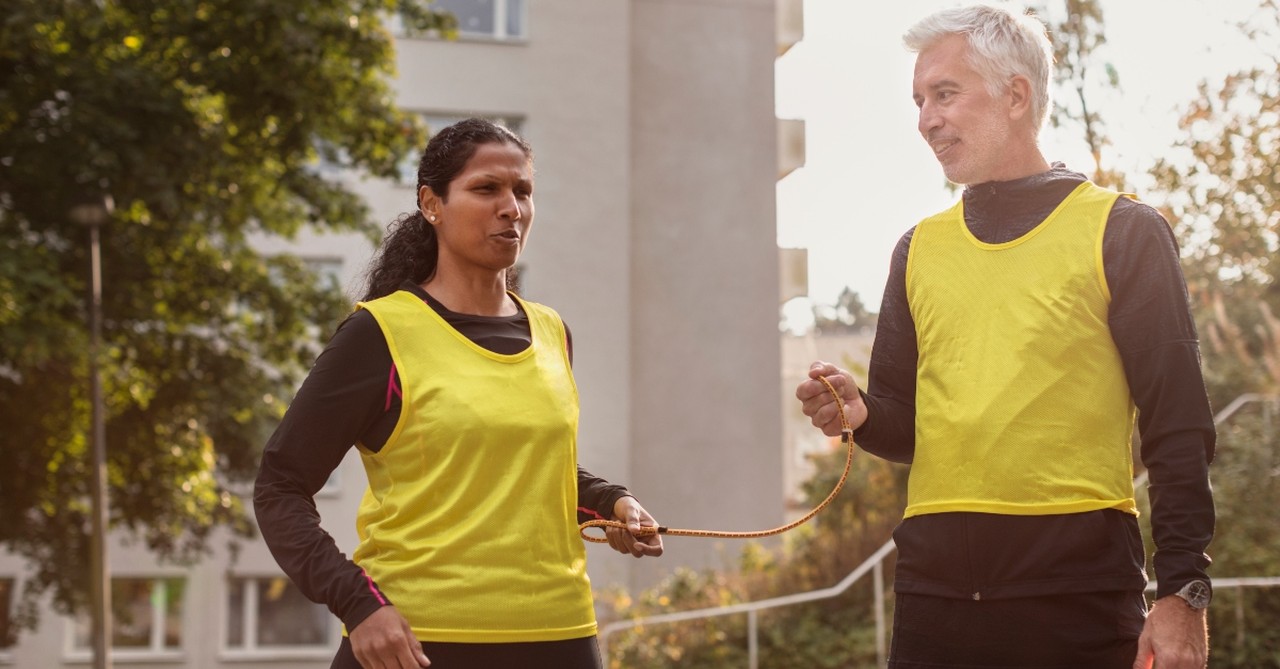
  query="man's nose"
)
[{"x": 928, "y": 120}]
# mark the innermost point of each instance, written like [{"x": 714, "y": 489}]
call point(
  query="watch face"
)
[{"x": 1197, "y": 594}]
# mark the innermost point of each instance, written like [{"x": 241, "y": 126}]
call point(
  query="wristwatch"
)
[{"x": 1196, "y": 593}]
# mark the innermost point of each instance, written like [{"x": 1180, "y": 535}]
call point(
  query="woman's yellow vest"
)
[
  {"x": 469, "y": 523},
  {"x": 1022, "y": 406}
]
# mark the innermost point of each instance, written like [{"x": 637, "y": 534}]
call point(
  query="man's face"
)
[{"x": 968, "y": 129}]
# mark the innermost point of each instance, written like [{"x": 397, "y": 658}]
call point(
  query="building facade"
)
[{"x": 657, "y": 152}]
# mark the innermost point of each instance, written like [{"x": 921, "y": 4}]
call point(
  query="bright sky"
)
[{"x": 868, "y": 177}]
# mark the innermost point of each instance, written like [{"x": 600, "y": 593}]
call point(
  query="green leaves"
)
[
  {"x": 1221, "y": 187},
  {"x": 838, "y": 632},
  {"x": 206, "y": 121}
]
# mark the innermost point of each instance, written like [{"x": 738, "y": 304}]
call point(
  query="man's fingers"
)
[
  {"x": 814, "y": 389},
  {"x": 822, "y": 369},
  {"x": 813, "y": 386},
  {"x": 810, "y": 390},
  {"x": 827, "y": 419},
  {"x": 812, "y": 406},
  {"x": 1146, "y": 656}
]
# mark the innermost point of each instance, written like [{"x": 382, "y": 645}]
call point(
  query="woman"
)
[{"x": 461, "y": 400}]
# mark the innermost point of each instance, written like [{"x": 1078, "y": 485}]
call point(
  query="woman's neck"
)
[{"x": 478, "y": 298}]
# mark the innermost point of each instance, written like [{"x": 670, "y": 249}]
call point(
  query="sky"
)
[{"x": 868, "y": 176}]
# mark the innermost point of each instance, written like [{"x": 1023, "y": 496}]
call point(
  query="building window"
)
[
  {"x": 328, "y": 269},
  {"x": 271, "y": 614},
  {"x": 146, "y": 617},
  {"x": 435, "y": 122},
  {"x": 497, "y": 19},
  {"x": 477, "y": 19}
]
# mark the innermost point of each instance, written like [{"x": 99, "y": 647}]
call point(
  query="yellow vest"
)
[
  {"x": 1022, "y": 405},
  {"x": 469, "y": 523}
]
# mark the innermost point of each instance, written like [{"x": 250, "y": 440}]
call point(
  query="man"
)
[{"x": 1020, "y": 331}]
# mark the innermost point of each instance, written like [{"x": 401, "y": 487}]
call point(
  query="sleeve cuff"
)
[
  {"x": 609, "y": 499},
  {"x": 363, "y": 608}
]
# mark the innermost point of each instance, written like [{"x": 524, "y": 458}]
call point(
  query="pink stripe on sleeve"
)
[
  {"x": 392, "y": 388},
  {"x": 373, "y": 588}
]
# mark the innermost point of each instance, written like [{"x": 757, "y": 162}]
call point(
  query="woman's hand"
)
[
  {"x": 384, "y": 640},
  {"x": 632, "y": 540}
]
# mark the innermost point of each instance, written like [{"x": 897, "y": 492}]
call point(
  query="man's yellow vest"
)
[
  {"x": 1022, "y": 406},
  {"x": 469, "y": 523}
]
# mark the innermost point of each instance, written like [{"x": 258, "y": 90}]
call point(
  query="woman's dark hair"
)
[{"x": 408, "y": 251}]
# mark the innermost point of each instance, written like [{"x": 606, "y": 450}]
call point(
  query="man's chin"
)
[{"x": 957, "y": 177}]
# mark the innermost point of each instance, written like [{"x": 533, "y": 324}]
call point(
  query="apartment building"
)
[{"x": 657, "y": 152}]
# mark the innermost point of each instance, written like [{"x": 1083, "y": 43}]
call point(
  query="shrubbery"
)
[{"x": 837, "y": 632}]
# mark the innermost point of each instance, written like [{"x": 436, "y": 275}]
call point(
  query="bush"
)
[{"x": 836, "y": 632}]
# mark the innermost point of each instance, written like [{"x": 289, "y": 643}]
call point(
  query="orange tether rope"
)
[{"x": 846, "y": 438}]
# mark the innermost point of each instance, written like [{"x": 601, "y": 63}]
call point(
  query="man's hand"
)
[
  {"x": 384, "y": 640},
  {"x": 629, "y": 511},
  {"x": 1175, "y": 636},
  {"x": 818, "y": 404}
]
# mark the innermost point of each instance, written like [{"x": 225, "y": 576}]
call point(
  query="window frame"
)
[
  {"x": 499, "y": 34},
  {"x": 251, "y": 650},
  {"x": 514, "y": 122},
  {"x": 156, "y": 651}
]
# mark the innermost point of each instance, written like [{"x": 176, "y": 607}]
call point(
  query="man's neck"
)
[{"x": 1021, "y": 158}]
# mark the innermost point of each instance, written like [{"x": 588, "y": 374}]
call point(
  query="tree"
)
[
  {"x": 848, "y": 316},
  {"x": 1078, "y": 41},
  {"x": 1221, "y": 187},
  {"x": 207, "y": 122},
  {"x": 837, "y": 632}
]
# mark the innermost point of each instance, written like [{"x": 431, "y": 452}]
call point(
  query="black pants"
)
[
  {"x": 1092, "y": 630},
  {"x": 570, "y": 654}
]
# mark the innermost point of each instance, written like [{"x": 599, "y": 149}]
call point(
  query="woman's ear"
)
[{"x": 429, "y": 204}]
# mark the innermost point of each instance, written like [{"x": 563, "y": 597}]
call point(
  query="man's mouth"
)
[{"x": 940, "y": 146}]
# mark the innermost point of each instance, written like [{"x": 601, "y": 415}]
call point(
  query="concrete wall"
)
[{"x": 705, "y": 431}]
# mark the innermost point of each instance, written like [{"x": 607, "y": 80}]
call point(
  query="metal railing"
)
[{"x": 875, "y": 565}]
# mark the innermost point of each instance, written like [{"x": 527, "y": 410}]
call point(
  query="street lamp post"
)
[{"x": 92, "y": 213}]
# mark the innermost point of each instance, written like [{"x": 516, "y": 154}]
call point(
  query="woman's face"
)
[{"x": 485, "y": 221}]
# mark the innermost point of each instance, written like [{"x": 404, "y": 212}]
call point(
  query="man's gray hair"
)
[{"x": 1002, "y": 44}]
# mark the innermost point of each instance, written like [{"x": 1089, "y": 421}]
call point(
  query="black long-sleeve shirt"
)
[
  {"x": 350, "y": 396},
  {"x": 988, "y": 555}
]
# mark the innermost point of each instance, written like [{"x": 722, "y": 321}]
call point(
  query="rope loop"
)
[{"x": 846, "y": 438}]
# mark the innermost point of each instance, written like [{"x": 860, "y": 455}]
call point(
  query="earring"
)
[{"x": 432, "y": 218}]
